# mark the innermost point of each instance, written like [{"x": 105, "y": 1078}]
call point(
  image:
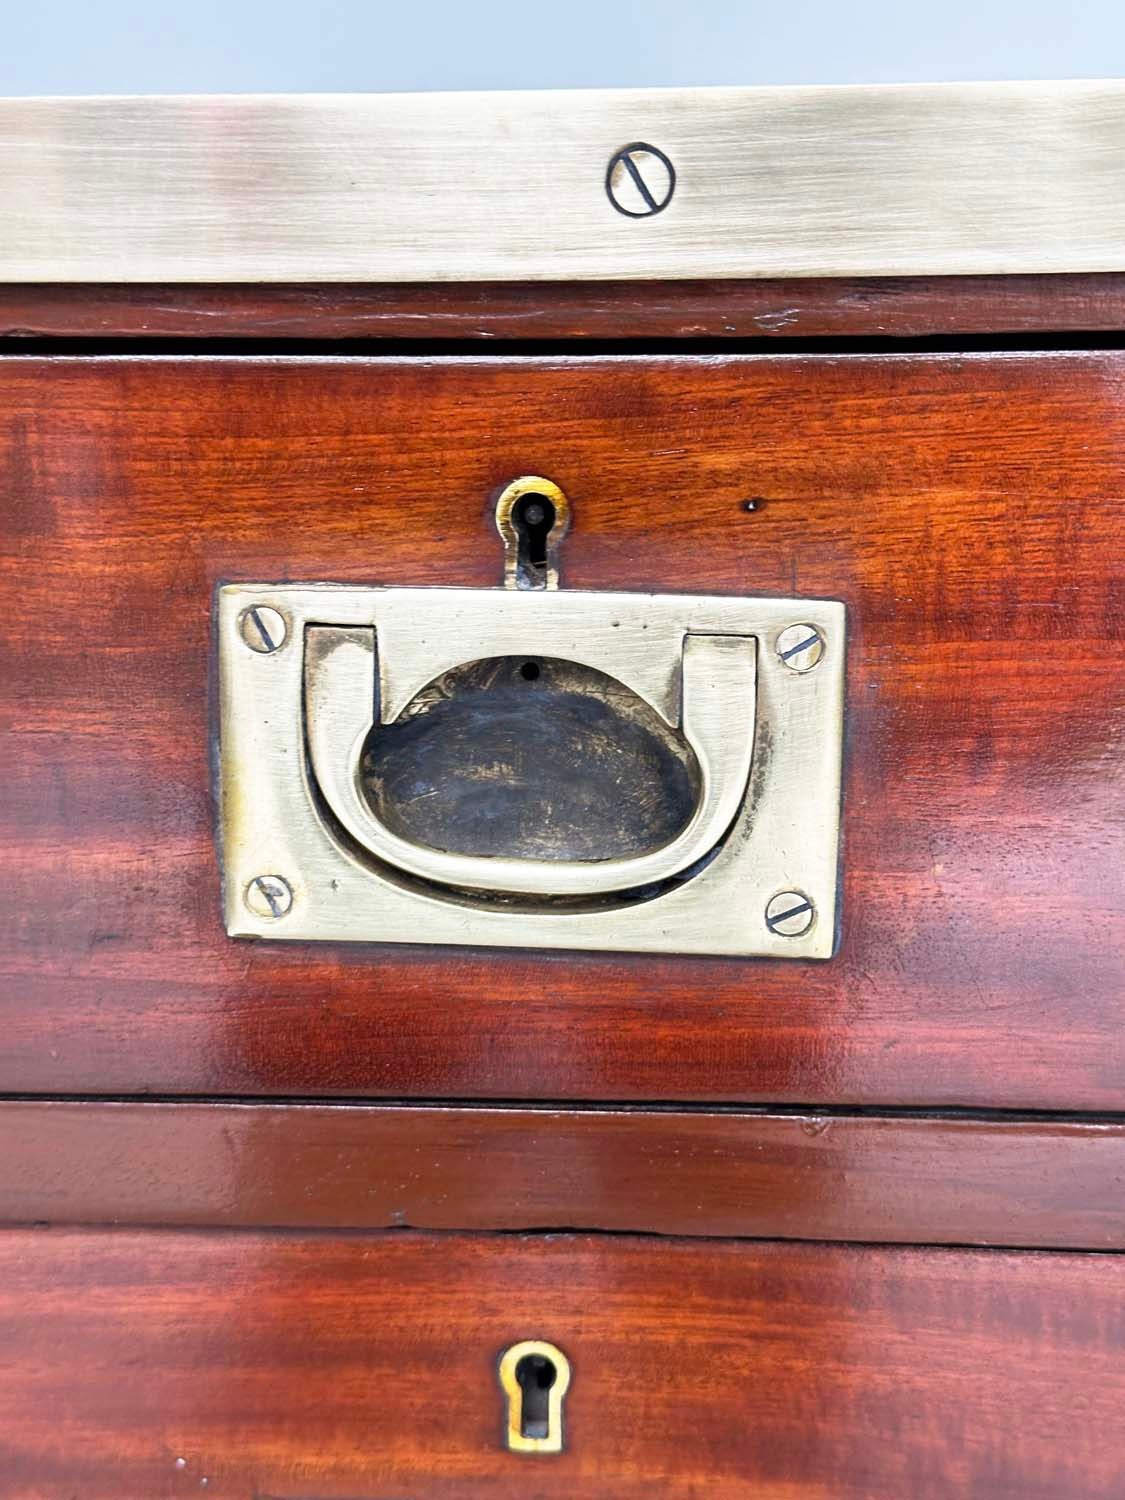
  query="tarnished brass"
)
[
  {"x": 725, "y": 764},
  {"x": 534, "y": 1373},
  {"x": 717, "y": 712}
]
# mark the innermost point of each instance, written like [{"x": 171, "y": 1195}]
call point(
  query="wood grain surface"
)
[
  {"x": 870, "y": 307},
  {"x": 966, "y": 508},
  {"x": 241, "y": 1366},
  {"x": 771, "y": 1175}
]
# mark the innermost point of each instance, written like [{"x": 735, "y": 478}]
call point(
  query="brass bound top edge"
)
[{"x": 649, "y": 184}]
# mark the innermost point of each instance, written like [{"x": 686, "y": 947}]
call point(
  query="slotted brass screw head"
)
[
  {"x": 800, "y": 647},
  {"x": 263, "y": 628},
  {"x": 269, "y": 896},
  {"x": 640, "y": 180},
  {"x": 790, "y": 914}
]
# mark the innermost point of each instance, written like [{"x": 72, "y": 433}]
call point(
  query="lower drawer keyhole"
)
[
  {"x": 535, "y": 1374},
  {"x": 534, "y": 1377}
]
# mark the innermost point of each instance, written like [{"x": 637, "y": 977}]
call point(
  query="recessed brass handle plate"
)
[{"x": 750, "y": 870}]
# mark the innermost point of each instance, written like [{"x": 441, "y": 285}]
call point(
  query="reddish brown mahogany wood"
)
[
  {"x": 364, "y": 1368},
  {"x": 967, "y": 509},
  {"x": 808, "y": 1176},
  {"x": 798, "y": 308}
]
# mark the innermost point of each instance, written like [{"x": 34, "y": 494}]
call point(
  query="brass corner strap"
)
[{"x": 643, "y": 184}]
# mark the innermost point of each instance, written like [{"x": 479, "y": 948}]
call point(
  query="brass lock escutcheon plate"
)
[{"x": 531, "y": 768}]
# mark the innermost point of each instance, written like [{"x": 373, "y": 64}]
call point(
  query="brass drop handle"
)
[{"x": 719, "y": 682}]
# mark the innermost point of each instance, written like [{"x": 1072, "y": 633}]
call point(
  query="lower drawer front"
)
[{"x": 246, "y": 1364}]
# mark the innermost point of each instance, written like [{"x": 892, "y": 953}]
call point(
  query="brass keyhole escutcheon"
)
[
  {"x": 535, "y": 1377},
  {"x": 532, "y": 517}
]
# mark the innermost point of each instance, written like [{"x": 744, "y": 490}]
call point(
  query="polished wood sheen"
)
[
  {"x": 966, "y": 509},
  {"x": 731, "y": 1173},
  {"x": 899, "y": 307},
  {"x": 245, "y": 1365}
]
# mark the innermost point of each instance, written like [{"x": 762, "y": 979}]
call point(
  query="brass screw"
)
[
  {"x": 790, "y": 914},
  {"x": 269, "y": 896},
  {"x": 640, "y": 180},
  {"x": 263, "y": 628},
  {"x": 800, "y": 647}
]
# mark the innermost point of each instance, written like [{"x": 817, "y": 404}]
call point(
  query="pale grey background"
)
[{"x": 212, "y": 46}]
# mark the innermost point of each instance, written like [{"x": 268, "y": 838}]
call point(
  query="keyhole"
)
[
  {"x": 535, "y": 1375},
  {"x": 533, "y": 516},
  {"x": 535, "y": 1378}
]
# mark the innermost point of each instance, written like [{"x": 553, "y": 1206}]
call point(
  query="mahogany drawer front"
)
[
  {"x": 250, "y": 1364},
  {"x": 967, "y": 510}
]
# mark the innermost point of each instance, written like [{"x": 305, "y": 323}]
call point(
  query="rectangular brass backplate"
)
[{"x": 735, "y": 704}]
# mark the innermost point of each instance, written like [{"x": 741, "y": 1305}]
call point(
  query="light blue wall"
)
[{"x": 124, "y": 46}]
